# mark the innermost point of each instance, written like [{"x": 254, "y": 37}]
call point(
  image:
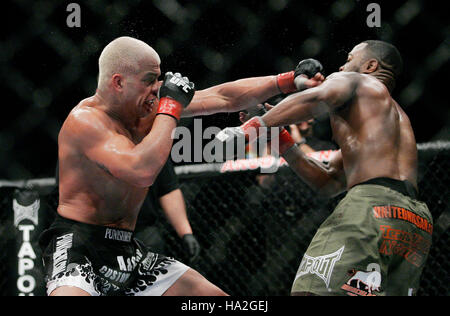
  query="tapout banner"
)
[{"x": 25, "y": 214}]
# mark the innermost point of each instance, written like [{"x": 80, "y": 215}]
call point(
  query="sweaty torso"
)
[
  {"x": 88, "y": 193},
  {"x": 375, "y": 136}
]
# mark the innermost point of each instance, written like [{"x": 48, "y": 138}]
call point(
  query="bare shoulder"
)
[
  {"x": 371, "y": 91},
  {"x": 363, "y": 81},
  {"x": 343, "y": 82},
  {"x": 338, "y": 89},
  {"x": 371, "y": 86},
  {"x": 84, "y": 123},
  {"x": 344, "y": 75}
]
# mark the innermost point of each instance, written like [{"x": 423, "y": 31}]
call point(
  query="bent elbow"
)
[
  {"x": 144, "y": 183},
  {"x": 136, "y": 178},
  {"x": 143, "y": 176}
]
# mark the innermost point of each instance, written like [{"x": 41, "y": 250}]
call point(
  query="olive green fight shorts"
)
[{"x": 376, "y": 242}]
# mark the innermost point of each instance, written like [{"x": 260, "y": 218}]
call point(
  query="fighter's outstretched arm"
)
[
  {"x": 232, "y": 96},
  {"x": 241, "y": 94},
  {"x": 335, "y": 91}
]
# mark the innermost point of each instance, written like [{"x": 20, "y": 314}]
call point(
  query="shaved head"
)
[{"x": 125, "y": 56}]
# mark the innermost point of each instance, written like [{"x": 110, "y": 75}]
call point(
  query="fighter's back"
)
[{"x": 374, "y": 134}]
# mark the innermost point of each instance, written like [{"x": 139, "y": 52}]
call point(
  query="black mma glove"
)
[
  {"x": 175, "y": 93},
  {"x": 306, "y": 69}
]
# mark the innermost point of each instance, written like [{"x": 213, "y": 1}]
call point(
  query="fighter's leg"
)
[
  {"x": 69, "y": 291},
  {"x": 192, "y": 283}
]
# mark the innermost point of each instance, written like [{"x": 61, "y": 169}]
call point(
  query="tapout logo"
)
[{"x": 26, "y": 205}]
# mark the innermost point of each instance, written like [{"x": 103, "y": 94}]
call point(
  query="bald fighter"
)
[
  {"x": 377, "y": 240},
  {"x": 111, "y": 148}
]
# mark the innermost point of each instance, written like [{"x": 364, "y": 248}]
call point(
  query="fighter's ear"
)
[
  {"x": 370, "y": 66},
  {"x": 117, "y": 81}
]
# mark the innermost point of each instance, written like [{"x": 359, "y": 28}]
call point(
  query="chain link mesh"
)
[
  {"x": 254, "y": 236},
  {"x": 254, "y": 228}
]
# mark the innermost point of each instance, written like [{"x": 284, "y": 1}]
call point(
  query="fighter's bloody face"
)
[{"x": 355, "y": 59}]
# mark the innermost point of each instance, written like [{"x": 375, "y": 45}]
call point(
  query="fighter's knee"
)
[
  {"x": 200, "y": 286},
  {"x": 210, "y": 290},
  {"x": 69, "y": 291},
  {"x": 192, "y": 283}
]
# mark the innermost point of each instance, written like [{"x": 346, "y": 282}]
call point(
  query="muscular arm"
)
[
  {"x": 174, "y": 208},
  {"x": 232, "y": 96},
  {"x": 136, "y": 164},
  {"x": 326, "y": 180},
  {"x": 335, "y": 91}
]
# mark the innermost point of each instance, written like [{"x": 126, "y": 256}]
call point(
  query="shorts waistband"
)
[
  {"x": 96, "y": 231},
  {"x": 403, "y": 187}
]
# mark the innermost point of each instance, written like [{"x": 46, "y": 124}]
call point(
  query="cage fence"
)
[{"x": 253, "y": 227}]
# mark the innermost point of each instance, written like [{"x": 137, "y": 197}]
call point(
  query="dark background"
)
[{"x": 47, "y": 67}]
